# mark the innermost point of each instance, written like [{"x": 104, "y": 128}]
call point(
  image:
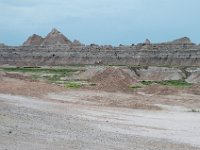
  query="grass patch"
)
[
  {"x": 175, "y": 83},
  {"x": 74, "y": 85},
  {"x": 53, "y": 78},
  {"x": 35, "y": 77},
  {"x": 38, "y": 70},
  {"x": 52, "y": 75},
  {"x": 136, "y": 86}
]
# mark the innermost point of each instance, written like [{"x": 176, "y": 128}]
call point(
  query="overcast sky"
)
[{"x": 100, "y": 21}]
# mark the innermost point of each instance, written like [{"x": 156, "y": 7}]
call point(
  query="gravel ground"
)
[{"x": 28, "y": 123}]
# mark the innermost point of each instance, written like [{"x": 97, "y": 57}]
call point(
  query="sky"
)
[{"x": 100, "y": 21}]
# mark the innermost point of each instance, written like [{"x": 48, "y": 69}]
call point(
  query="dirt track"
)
[
  {"x": 28, "y": 123},
  {"x": 35, "y": 115}
]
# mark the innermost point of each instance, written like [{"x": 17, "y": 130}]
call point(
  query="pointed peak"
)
[
  {"x": 55, "y": 37},
  {"x": 55, "y": 31},
  {"x": 147, "y": 42},
  {"x": 34, "y": 40}
]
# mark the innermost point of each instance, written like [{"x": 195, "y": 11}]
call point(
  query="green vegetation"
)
[
  {"x": 31, "y": 67},
  {"x": 51, "y": 75},
  {"x": 56, "y": 75},
  {"x": 136, "y": 86},
  {"x": 53, "y": 78},
  {"x": 175, "y": 83},
  {"x": 74, "y": 85},
  {"x": 35, "y": 77},
  {"x": 39, "y": 70},
  {"x": 148, "y": 82}
]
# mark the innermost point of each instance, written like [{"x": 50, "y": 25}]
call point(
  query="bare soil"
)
[
  {"x": 27, "y": 88},
  {"x": 38, "y": 115},
  {"x": 113, "y": 79}
]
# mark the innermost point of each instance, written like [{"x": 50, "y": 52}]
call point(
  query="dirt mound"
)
[{"x": 113, "y": 79}]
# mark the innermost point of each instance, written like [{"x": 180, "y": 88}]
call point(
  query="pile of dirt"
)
[{"x": 113, "y": 79}]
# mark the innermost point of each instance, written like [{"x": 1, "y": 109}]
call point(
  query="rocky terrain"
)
[
  {"x": 98, "y": 108},
  {"x": 56, "y": 49},
  {"x": 34, "y": 40},
  {"x": 59, "y": 94}
]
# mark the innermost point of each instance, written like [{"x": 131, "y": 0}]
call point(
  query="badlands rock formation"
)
[
  {"x": 55, "y": 37},
  {"x": 2, "y": 45},
  {"x": 76, "y": 43},
  {"x": 56, "y": 49},
  {"x": 184, "y": 40},
  {"x": 33, "y": 40}
]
